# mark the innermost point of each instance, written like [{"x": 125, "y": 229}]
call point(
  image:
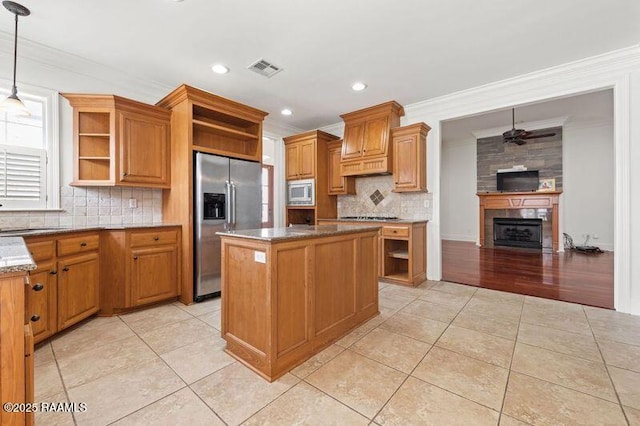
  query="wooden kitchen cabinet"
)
[
  {"x": 203, "y": 122},
  {"x": 365, "y": 149},
  {"x": 78, "y": 288},
  {"x": 301, "y": 160},
  {"x": 145, "y": 268},
  {"x": 16, "y": 347},
  {"x": 403, "y": 256},
  {"x": 43, "y": 300},
  {"x": 154, "y": 274},
  {"x": 409, "y": 157},
  {"x": 65, "y": 284},
  {"x": 307, "y": 157},
  {"x": 119, "y": 142},
  {"x": 338, "y": 184}
]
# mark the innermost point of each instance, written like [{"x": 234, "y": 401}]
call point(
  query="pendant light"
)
[{"x": 12, "y": 104}]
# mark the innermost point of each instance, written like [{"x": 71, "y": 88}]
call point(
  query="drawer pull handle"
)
[
  {"x": 65, "y": 269},
  {"x": 135, "y": 257},
  {"x": 54, "y": 272},
  {"x": 35, "y": 318},
  {"x": 83, "y": 244},
  {"x": 156, "y": 238},
  {"x": 124, "y": 174},
  {"x": 38, "y": 287}
]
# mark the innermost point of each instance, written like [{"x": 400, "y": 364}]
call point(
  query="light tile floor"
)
[{"x": 440, "y": 353}]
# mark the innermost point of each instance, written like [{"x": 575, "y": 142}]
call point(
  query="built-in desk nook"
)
[{"x": 287, "y": 293}]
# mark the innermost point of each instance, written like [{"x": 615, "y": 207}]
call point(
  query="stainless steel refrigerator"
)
[{"x": 228, "y": 195}]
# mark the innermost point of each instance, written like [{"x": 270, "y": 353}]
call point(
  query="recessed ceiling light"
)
[
  {"x": 286, "y": 111},
  {"x": 220, "y": 69},
  {"x": 358, "y": 86}
]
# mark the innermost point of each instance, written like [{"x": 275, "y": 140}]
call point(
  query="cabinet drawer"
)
[
  {"x": 79, "y": 244},
  {"x": 395, "y": 231},
  {"x": 154, "y": 238},
  {"x": 41, "y": 250}
]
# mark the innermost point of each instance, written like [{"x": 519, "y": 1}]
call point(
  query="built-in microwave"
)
[{"x": 301, "y": 192}]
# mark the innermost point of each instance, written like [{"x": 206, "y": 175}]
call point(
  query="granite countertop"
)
[
  {"x": 23, "y": 232},
  {"x": 375, "y": 221},
  {"x": 297, "y": 232},
  {"x": 14, "y": 256}
]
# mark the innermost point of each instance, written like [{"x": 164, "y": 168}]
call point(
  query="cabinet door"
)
[
  {"x": 78, "y": 279},
  {"x": 153, "y": 274},
  {"x": 29, "y": 379},
  {"x": 376, "y": 136},
  {"x": 307, "y": 160},
  {"x": 43, "y": 300},
  {"x": 144, "y": 146},
  {"x": 405, "y": 162},
  {"x": 353, "y": 139},
  {"x": 292, "y": 161},
  {"x": 336, "y": 182}
]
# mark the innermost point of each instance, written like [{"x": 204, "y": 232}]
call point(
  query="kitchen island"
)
[{"x": 287, "y": 293}]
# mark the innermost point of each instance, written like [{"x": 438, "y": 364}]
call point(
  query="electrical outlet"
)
[
  {"x": 133, "y": 203},
  {"x": 426, "y": 203},
  {"x": 595, "y": 236}
]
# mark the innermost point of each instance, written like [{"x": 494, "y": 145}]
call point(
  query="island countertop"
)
[{"x": 297, "y": 232}]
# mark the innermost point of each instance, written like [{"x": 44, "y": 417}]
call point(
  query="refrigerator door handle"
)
[
  {"x": 227, "y": 190},
  {"x": 233, "y": 203}
]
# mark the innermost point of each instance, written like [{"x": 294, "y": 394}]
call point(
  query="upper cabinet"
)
[
  {"x": 301, "y": 159},
  {"x": 119, "y": 142},
  {"x": 338, "y": 185},
  {"x": 365, "y": 149},
  {"x": 409, "y": 157},
  {"x": 308, "y": 156},
  {"x": 210, "y": 123}
]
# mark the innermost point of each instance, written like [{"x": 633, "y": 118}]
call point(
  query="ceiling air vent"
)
[{"x": 264, "y": 68}]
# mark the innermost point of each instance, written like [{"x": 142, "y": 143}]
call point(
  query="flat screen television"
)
[{"x": 526, "y": 180}]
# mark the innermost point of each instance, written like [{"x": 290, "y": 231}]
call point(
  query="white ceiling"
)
[
  {"x": 408, "y": 50},
  {"x": 588, "y": 108}
]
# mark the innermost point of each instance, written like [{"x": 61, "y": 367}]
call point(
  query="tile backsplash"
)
[
  {"x": 92, "y": 206},
  {"x": 403, "y": 205}
]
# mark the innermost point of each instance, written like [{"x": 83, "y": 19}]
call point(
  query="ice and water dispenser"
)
[{"x": 214, "y": 206}]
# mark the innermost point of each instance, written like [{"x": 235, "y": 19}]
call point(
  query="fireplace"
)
[{"x": 513, "y": 232}]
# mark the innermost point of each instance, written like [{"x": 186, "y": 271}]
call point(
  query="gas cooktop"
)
[{"x": 365, "y": 218}]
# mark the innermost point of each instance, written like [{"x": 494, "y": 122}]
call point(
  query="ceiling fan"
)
[{"x": 520, "y": 136}]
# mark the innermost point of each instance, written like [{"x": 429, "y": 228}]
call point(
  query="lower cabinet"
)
[
  {"x": 145, "y": 268},
  {"x": 153, "y": 274},
  {"x": 65, "y": 285},
  {"x": 78, "y": 281},
  {"x": 43, "y": 300},
  {"x": 16, "y": 348}
]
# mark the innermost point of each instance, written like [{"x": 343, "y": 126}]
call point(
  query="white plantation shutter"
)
[{"x": 22, "y": 177}]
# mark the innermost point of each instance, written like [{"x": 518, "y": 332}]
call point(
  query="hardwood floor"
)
[{"x": 570, "y": 276}]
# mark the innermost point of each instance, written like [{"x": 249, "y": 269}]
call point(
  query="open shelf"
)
[
  {"x": 94, "y": 169},
  {"x": 403, "y": 276},
  {"x": 225, "y": 130},
  {"x": 399, "y": 254},
  {"x": 218, "y": 133},
  {"x": 94, "y": 123}
]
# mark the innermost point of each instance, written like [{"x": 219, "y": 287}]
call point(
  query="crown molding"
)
[
  {"x": 509, "y": 92},
  {"x": 529, "y": 125},
  {"x": 277, "y": 130},
  {"x": 53, "y": 59}
]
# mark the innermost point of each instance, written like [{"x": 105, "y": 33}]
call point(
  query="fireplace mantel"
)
[{"x": 521, "y": 200}]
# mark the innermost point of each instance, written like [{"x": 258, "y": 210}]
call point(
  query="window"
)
[
  {"x": 29, "y": 153},
  {"x": 267, "y": 196}
]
